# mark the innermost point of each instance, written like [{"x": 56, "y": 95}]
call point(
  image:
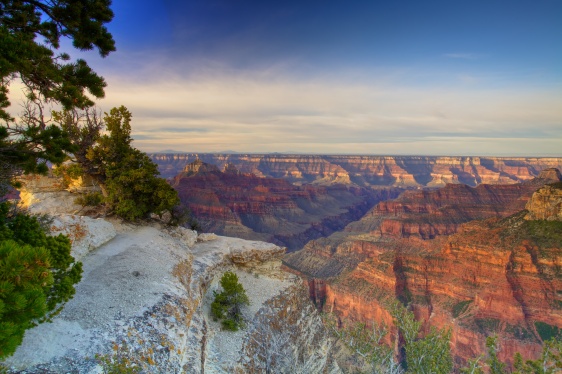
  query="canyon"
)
[
  {"x": 366, "y": 171},
  {"x": 455, "y": 245},
  {"x": 499, "y": 274},
  {"x": 145, "y": 297},
  {"x": 243, "y": 205},
  {"x": 478, "y": 260}
]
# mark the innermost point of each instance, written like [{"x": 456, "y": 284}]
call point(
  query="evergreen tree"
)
[
  {"x": 428, "y": 354},
  {"x": 37, "y": 275},
  {"x": 24, "y": 279},
  {"x": 30, "y": 33},
  {"x": 130, "y": 179},
  {"x": 228, "y": 304}
]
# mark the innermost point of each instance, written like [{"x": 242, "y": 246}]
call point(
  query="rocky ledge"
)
[
  {"x": 546, "y": 203},
  {"x": 145, "y": 298}
]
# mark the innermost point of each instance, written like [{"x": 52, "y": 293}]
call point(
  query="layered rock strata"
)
[
  {"x": 402, "y": 171},
  {"x": 546, "y": 203},
  {"x": 271, "y": 209},
  {"x": 498, "y": 276}
]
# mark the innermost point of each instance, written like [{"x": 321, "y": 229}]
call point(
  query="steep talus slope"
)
[
  {"x": 498, "y": 276},
  {"x": 402, "y": 171},
  {"x": 270, "y": 209}
]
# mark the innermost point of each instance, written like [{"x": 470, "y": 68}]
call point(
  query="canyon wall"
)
[
  {"x": 498, "y": 276},
  {"x": 270, "y": 209},
  {"x": 431, "y": 213},
  {"x": 546, "y": 203},
  {"x": 365, "y": 171}
]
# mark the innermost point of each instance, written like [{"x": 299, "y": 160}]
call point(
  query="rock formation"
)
[
  {"x": 145, "y": 297},
  {"x": 401, "y": 171},
  {"x": 430, "y": 213},
  {"x": 497, "y": 276},
  {"x": 546, "y": 203},
  {"x": 270, "y": 209}
]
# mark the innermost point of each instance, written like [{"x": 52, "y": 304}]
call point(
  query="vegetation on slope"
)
[
  {"x": 227, "y": 305},
  {"x": 37, "y": 275},
  {"x": 431, "y": 353}
]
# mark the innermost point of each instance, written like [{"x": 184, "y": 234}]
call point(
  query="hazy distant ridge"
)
[{"x": 414, "y": 171}]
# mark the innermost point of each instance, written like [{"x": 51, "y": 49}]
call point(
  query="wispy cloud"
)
[
  {"x": 216, "y": 108},
  {"x": 259, "y": 112}
]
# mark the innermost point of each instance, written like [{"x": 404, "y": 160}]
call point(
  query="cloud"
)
[
  {"x": 212, "y": 108},
  {"x": 259, "y": 112}
]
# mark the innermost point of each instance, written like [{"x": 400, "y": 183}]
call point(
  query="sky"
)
[{"x": 339, "y": 77}]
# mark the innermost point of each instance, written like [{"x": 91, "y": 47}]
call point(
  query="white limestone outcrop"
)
[{"x": 145, "y": 296}]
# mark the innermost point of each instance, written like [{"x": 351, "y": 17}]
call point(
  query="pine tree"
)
[
  {"x": 37, "y": 276},
  {"x": 129, "y": 177},
  {"x": 30, "y": 33},
  {"x": 228, "y": 304}
]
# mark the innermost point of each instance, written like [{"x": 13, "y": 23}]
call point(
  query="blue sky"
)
[{"x": 373, "y": 77}]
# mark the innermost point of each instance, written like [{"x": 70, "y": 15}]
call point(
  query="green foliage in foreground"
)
[
  {"x": 227, "y": 306},
  {"x": 30, "y": 36},
  {"x": 428, "y": 354},
  {"x": 30, "y": 33},
  {"x": 128, "y": 177},
  {"x": 90, "y": 199},
  {"x": 431, "y": 353},
  {"x": 37, "y": 275}
]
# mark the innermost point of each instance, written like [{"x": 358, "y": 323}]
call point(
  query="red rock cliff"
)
[
  {"x": 270, "y": 209},
  {"x": 498, "y": 276},
  {"x": 403, "y": 171}
]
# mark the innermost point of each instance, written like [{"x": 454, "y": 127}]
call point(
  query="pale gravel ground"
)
[
  {"x": 261, "y": 284},
  {"x": 128, "y": 275}
]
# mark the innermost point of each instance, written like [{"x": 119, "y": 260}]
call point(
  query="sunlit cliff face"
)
[{"x": 404, "y": 171}]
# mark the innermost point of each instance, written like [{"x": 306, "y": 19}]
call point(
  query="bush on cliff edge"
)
[
  {"x": 128, "y": 178},
  {"x": 228, "y": 304}
]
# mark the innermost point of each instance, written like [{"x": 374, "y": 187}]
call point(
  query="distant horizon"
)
[{"x": 170, "y": 151}]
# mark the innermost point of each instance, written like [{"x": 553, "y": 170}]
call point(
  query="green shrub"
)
[
  {"x": 227, "y": 306},
  {"x": 131, "y": 180},
  {"x": 68, "y": 172},
  {"x": 546, "y": 234},
  {"x": 460, "y": 307},
  {"x": 546, "y": 331},
  {"x": 90, "y": 199},
  {"x": 37, "y": 275}
]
